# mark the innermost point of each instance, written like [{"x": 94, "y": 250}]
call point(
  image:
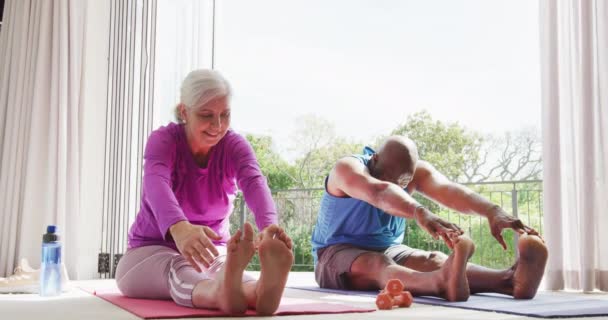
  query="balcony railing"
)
[
  {"x": 523, "y": 199},
  {"x": 298, "y": 213}
]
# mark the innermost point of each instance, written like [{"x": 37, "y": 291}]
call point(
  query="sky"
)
[{"x": 366, "y": 65}]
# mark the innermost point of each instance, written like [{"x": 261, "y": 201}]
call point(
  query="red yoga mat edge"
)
[{"x": 167, "y": 309}]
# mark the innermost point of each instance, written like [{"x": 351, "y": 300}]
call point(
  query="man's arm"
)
[
  {"x": 351, "y": 177},
  {"x": 436, "y": 186}
]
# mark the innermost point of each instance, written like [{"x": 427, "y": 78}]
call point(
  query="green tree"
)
[
  {"x": 315, "y": 166},
  {"x": 318, "y": 148},
  {"x": 517, "y": 155},
  {"x": 280, "y": 174},
  {"x": 447, "y": 146}
]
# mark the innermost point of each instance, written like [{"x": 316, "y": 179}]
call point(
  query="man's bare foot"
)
[
  {"x": 276, "y": 260},
  {"x": 530, "y": 266},
  {"x": 228, "y": 284},
  {"x": 454, "y": 283}
]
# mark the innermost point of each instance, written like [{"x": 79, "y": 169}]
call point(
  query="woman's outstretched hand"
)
[{"x": 194, "y": 243}]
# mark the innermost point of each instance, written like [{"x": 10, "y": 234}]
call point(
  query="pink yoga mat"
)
[{"x": 164, "y": 309}]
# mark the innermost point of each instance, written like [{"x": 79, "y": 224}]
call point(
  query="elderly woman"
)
[{"x": 179, "y": 245}]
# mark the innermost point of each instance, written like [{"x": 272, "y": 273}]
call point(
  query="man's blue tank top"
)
[{"x": 353, "y": 221}]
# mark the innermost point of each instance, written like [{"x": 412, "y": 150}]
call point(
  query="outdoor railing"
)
[
  {"x": 298, "y": 208},
  {"x": 298, "y": 212}
]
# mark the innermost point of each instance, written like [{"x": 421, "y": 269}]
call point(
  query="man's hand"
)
[
  {"x": 499, "y": 220},
  {"x": 437, "y": 227},
  {"x": 194, "y": 243}
]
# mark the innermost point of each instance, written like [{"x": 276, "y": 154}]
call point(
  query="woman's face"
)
[{"x": 206, "y": 125}]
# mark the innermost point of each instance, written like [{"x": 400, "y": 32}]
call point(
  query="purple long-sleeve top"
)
[{"x": 176, "y": 189}]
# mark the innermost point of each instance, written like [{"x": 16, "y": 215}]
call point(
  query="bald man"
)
[{"x": 361, "y": 224}]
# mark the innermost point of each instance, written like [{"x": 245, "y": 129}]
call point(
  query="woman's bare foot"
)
[
  {"x": 228, "y": 284},
  {"x": 276, "y": 260},
  {"x": 453, "y": 279},
  {"x": 530, "y": 266}
]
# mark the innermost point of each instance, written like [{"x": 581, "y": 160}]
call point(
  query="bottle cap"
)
[{"x": 51, "y": 234}]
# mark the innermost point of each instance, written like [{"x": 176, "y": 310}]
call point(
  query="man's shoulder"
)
[
  {"x": 354, "y": 159},
  {"x": 424, "y": 170},
  {"x": 348, "y": 164},
  {"x": 344, "y": 169}
]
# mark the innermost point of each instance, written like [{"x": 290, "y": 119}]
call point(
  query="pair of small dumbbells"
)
[{"x": 393, "y": 295}]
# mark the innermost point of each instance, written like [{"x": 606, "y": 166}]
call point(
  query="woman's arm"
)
[
  {"x": 252, "y": 183},
  {"x": 159, "y": 162}
]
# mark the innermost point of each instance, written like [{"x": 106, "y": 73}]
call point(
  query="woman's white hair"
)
[{"x": 200, "y": 87}]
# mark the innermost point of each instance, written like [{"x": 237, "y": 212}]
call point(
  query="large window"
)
[
  {"x": 321, "y": 78},
  {"x": 364, "y": 66},
  {"x": 314, "y": 80}
]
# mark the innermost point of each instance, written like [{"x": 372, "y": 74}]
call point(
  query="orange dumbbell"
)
[
  {"x": 406, "y": 299},
  {"x": 394, "y": 287},
  {"x": 393, "y": 295},
  {"x": 385, "y": 301}
]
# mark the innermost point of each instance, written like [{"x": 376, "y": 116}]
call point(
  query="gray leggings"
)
[{"x": 159, "y": 272}]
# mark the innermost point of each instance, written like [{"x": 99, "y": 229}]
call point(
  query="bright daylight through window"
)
[{"x": 317, "y": 80}]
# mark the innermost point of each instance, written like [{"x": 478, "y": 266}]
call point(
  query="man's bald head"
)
[{"x": 396, "y": 160}]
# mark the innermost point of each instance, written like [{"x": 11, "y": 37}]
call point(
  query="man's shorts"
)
[{"x": 334, "y": 262}]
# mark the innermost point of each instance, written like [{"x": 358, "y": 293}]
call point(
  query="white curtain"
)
[
  {"x": 574, "y": 59},
  {"x": 184, "y": 42},
  {"x": 41, "y": 50}
]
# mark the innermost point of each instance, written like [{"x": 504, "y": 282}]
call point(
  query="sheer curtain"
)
[
  {"x": 574, "y": 49},
  {"x": 184, "y": 42},
  {"x": 41, "y": 50}
]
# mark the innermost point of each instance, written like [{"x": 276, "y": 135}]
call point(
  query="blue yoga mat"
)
[{"x": 544, "y": 305}]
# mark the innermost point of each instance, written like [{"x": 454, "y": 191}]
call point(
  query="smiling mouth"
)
[{"x": 211, "y": 135}]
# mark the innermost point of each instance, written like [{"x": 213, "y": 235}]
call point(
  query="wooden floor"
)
[{"x": 78, "y": 304}]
